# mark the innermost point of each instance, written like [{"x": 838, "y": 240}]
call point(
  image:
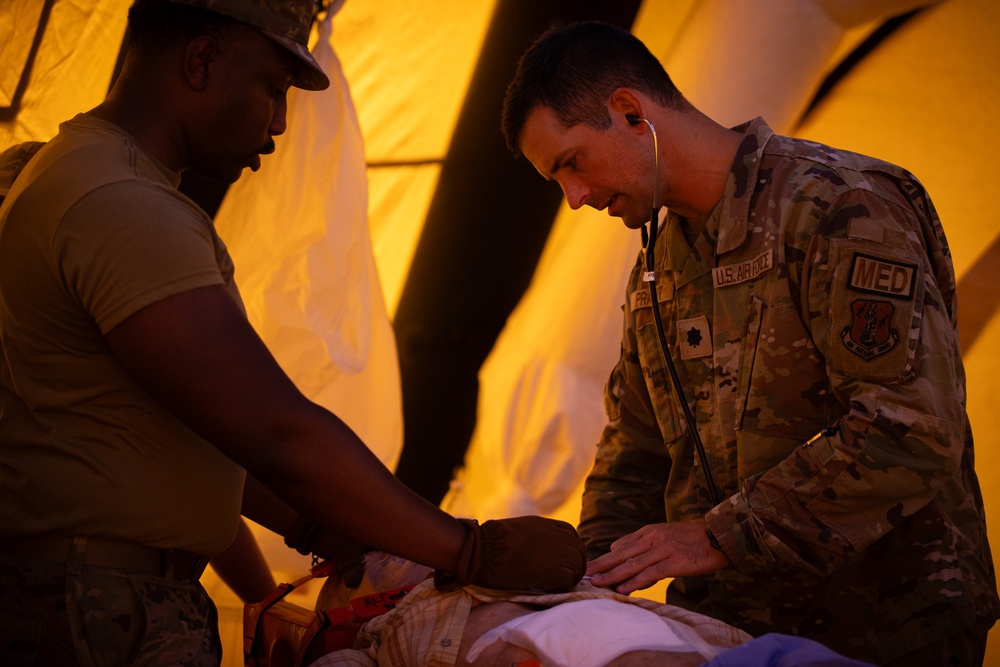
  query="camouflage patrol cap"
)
[{"x": 285, "y": 21}]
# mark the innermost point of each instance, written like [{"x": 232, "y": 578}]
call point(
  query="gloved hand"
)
[
  {"x": 521, "y": 553},
  {"x": 308, "y": 538}
]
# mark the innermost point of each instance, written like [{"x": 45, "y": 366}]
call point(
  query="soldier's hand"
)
[
  {"x": 308, "y": 538},
  {"x": 521, "y": 553},
  {"x": 656, "y": 552}
]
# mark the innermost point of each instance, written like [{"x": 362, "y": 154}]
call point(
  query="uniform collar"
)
[{"x": 735, "y": 228}]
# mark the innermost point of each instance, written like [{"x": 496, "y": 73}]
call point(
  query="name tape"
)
[{"x": 640, "y": 297}]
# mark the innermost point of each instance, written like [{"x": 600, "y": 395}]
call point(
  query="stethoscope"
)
[{"x": 649, "y": 277}]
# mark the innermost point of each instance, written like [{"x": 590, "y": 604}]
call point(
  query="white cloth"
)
[{"x": 591, "y": 633}]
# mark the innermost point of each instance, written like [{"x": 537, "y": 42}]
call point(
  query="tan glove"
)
[
  {"x": 308, "y": 538},
  {"x": 521, "y": 553}
]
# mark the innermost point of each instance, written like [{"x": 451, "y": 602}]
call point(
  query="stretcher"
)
[{"x": 277, "y": 633}]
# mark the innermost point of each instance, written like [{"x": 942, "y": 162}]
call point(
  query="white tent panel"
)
[
  {"x": 793, "y": 47},
  {"x": 408, "y": 64}
]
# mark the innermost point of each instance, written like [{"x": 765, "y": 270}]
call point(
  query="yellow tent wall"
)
[{"x": 927, "y": 98}]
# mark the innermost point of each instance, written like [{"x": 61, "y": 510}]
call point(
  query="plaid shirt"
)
[{"x": 426, "y": 627}]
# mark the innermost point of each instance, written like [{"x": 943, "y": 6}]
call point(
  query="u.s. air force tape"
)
[{"x": 740, "y": 272}]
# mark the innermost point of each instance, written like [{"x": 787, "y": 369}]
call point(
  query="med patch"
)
[
  {"x": 877, "y": 275},
  {"x": 873, "y": 314}
]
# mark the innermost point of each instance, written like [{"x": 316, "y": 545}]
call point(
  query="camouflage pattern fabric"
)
[
  {"x": 287, "y": 22},
  {"x": 102, "y": 617},
  {"x": 813, "y": 325},
  {"x": 289, "y": 18},
  {"x": 961, "y": 649}
]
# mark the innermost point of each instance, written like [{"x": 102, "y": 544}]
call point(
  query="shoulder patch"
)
[
  {"x": 875, "y": 313},
  {"x": 869, "y": 334},
  {"x": 876, "y": 275}
]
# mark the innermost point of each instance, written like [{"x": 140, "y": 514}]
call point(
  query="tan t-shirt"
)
[{"x": 93, "y": 231}]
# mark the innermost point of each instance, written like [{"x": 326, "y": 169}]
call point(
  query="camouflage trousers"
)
[{"x": 102, "y": 617}]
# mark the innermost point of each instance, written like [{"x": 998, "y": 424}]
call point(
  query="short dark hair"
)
[
  {"x": 573, "y": 68},
  {"x": 156, "y": 25}
]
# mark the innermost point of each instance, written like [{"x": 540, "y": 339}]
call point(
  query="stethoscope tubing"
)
[{"x": 648, "y": 249}]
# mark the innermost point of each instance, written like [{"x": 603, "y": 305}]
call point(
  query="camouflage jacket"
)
[{"x": 813, "y": 326}]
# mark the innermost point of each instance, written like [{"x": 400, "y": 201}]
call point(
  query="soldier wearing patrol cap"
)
[
  {"x": 805, "y": 297},
  {"x": 287, "y": 22},
  {"x": 135, "y": 397}
]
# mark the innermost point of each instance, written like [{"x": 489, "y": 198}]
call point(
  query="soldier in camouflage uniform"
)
[{"x": 808, "y": 302}]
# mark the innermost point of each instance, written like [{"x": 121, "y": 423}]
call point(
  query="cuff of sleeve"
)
[{"x": 733, "y": 526}]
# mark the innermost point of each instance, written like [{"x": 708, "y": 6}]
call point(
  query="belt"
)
[{"x": 80, "y": 552}]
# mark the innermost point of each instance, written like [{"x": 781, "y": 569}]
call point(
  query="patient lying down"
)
[{"x": 587, "y": 627}]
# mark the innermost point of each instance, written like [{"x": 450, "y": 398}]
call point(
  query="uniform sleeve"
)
[
  {"x": 128, "y": 245},
  {"x": 624, "y": 490},
  {"x": 872, "y": 300}
]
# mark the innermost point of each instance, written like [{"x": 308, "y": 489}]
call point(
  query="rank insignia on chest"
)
[
  {"x": 869, "y": 334},
  {"x": 694, "y": 337}
]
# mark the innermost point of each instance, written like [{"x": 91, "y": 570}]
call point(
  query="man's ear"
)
[
  {"x": 625, "y": 102},
  {"x": 199, "y": 56}
]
